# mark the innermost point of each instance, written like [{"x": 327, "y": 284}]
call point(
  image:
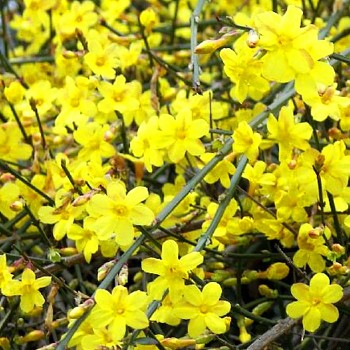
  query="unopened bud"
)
[
  {"x": 220, "y": 275},
  {"x": 211, "y": 45},
  {"x": 60, "y": 322},
  {"x": 6, "y": 177},
  {"x": 315, "y": 233},
  {"x": 58, "y": 140},
  {"x": 335, "y": 133},
  {"x": 253, "y": 38},
  {"x": 68, "y": 251},
  {"x": 122, "y": 278},
  {"x": 216, "y": 265},
  {"x": 267, "y": 292},
  {"x": 230, "y": 282},
  {"x": 205, "y": 339},
  {"x": 138, "y": 276},
  {"x": 277, "y": 271},
  {"x": 17, "y": 206},
  {"x": 104, "y": 269},
  {"x": 5, "y": 343},
  {"x": 292, "y": 164},
  {"x": 337, "y": 269},
  {"x": 31, "y": 336},
  {"x": 175, "y": 343},
  {"x": 80, "y": 310},
  {"x": 53, "y": 255},
  {"x": 244, "y": 336},
  {"x": 108, "y": 136},
  {"x": 69, "y": 54},
  {"x": 337, "y": 248}
]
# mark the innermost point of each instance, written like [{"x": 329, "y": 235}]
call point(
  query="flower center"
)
[
  {"x": 121, "y": 210},
  {"x": 203, "y": 309}
]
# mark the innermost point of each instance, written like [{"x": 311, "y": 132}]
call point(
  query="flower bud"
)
[
  {"x": 104, "y": 269},
  {"x": 5, "y": 343},
  {"x": 31, "y": 336},
  {"x": 253, "y": 38},
  {"x": 68, "y": 251},
  {"x": 53, "y": 255},
  {"x": 266, "y": 291},
  {"x": 17, "y": 206},
  {"x": 122, "y": 278},
  {"x": 277, "y": 271},
  {"x": 175, "y": 343},
  {"x": 339, "y": 249}
]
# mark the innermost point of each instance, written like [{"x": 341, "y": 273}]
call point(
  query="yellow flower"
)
[
  {"x": 181, "y": 134},
  {"x": 86, "y": 240},
  {"x": 246, "y": 141},
  {"x": 221, "y": 171},
  {"x": 62, "y": 215},
  {"x": 244, "y": 69},
  {"x": 9, "y": 192},
  {"x": 335, "y": 169},
  {"x": 5, "y": 275},
  {"x": 92, "y": 138},
  {"x": 315, "y": 302},
  {"x": 117, "y": 211},
  {"x": 11, "y": 146},
  {"x": 80, "y": 15},
  {"x": 288, "y": 133},
  {"x": 326, "y": 102},
  {"x": 28, "y": 289},
  {"x": 119, "y": 96},
  {"x": 102, "y": 60},
  {"x": 142, "y": 145},
  {"x": 172, "y": 271},
  {"x": 311, "y": 249},
  {"x": 203, "y": 309},
  {"x": 288, "y": 46},
  {"x": 118, "y": 310}
]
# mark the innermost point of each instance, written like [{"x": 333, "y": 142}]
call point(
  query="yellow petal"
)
[
  {"x": 332, "y": 293},
  {"x": 312, "y": 320},
  {"x": 329, "y": 313},
  {"x": 170, "y": 252},
  {"x": 297, "y": 309}
]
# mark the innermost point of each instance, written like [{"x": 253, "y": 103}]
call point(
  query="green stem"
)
[
  {"x": 333, "y": 19},
  {"x": 20, "y": 125},
  {"x": 204, "y": 239},
  {"x": 194, "y": 57},
  {"x": 103, "y": 285},
  {"x": 18, "y": 176},
  {"x": 340, "y": 58}
]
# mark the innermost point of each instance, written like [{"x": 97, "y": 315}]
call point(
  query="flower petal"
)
[
  {"x": 137, "y": 195},
  {"x": 332, "y": 294},
  {"x": 170, "y": 252},
  {"x": 136, "y": 319},
  {"x": 297, "y": 309},
  {"x": 312, "y": 319},
  {"x": 191, "y": 260},
  {"x": 211, "y": 293},
  {"x": 153, "y": 265},
  {"x": 329, "y": 313},
  {"x": 196, "y": 326},
  {"x": 193, "y": 295},
  {"x": 300, "y": 291},
  {"x": 318, "y": 283},
  {"x": 216, "y": 324}
]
